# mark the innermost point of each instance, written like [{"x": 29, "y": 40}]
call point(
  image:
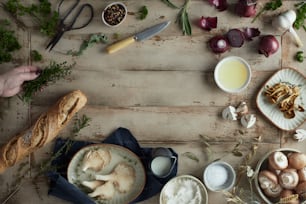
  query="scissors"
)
[{"x": 63, "y": 26}]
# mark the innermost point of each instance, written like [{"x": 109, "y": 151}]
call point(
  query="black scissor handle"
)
[{"x": 79, "y": 13}]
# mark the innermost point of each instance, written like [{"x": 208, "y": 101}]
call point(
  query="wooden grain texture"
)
[{"x": 161, "y": 89}]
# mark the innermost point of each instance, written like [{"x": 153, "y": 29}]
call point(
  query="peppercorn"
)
[{"x": 114, "y": 14}]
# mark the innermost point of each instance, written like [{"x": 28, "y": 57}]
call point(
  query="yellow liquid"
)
[{"x": 232, "y": 74}]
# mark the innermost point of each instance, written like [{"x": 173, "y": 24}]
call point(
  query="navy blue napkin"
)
[{"x": 61, "y": 188}]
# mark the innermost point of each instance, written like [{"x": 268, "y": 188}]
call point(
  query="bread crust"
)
[{"x": 44, "y": 130}]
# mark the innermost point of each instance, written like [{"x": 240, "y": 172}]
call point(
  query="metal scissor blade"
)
[{"x": 54, "y": 41}]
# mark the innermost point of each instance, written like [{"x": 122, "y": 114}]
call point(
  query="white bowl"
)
[
  {"x": 263, "y": 165},
  {"x": 232, "y": 74},
  {"x": 219, "y": 176},
  {"x": 182, "y": 188},
  {"x": 120, "y": 4}
]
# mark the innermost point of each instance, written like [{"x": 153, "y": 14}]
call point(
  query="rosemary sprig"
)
[
  {"x": 50, "y": 74},
  {"x": 94, "y": 39},
  {"x": 269, "y": 6},
  {"x": 183, "y": 19},
  {"x": 170, "y": 4}
]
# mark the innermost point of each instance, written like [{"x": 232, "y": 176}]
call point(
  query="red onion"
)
[
  {"x": 235, "y": 37},
  {"x": 250, "y": 33},
  {"x": 243, "y": 9},
  {"x": 221, "y": 5},
  {"x": 219, "y": 44},
  {"x": 208, "y": 23},
  {"x": 268, "y": 45}
]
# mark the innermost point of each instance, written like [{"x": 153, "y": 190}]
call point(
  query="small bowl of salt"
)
[
  {"x": 184, "y": 189},
  {"x": 219, "y": 176}
]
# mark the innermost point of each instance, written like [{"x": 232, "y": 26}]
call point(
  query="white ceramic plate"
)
[
  {"x": 118, "y": 154},
  {"x": 272, "y": 112},
  {"x": 181, "y": 186}
]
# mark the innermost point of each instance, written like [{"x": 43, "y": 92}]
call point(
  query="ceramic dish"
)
[
  {"x": 219, "y": 176},
  {"x": 271, "y": 111},
  {"x": 263, "y": 165},
  {"x": 118, "y": 154},
  {"x": 110, "y": 15},
  {"x": 184, "y": 189}
]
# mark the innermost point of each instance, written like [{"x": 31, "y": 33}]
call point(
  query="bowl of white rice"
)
[{"x": 184, "y": 189}]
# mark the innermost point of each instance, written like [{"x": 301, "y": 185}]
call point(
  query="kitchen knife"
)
[{"x": 148, "y": 33}]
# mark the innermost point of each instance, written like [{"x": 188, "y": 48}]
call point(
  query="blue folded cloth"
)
[{"x": 61, "y": 188}]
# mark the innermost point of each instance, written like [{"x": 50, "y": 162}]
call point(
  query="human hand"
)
[{"x": 11, "y": 81}]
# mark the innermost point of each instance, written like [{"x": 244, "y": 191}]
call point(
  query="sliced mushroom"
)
[
  {"x": 123, "y": 177},
  {"x": 105, "y": 191},
  {"x": 278, "y": 160},
  {"x": 96, "y": 159},
  {"x": 288, "y": 178},
  {"x": 229, "y": 113},
  {"x": 277, "y": 92},
  {"x": 248, "y": 120},
  {"x": 242, "y": 109},
  {"x": 92, "y": 184},
  {"x": 297, "y": 160}
]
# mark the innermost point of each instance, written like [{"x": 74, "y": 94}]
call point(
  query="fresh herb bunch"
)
[
  {"x": 300, "y": 15},
  {"x": 94, "y": 39},
  {"x": 36, "y": 56},
  {"x": 170, "y": 4},
  {"x": 50, "y": 74},
  {"x": 41, "y": 13},
  {"x": 8, "y": 42},
  {"x": 269, "y": 6},
  {"x": 183, "y": 19},
  {"x": 142, "y": 12}
]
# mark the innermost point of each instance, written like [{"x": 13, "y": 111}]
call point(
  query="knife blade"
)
[{"x": 145, "y": 34}]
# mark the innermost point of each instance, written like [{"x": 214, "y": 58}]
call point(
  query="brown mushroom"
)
[
  {"x": 301, "y": 190},
  {"x": 302, "y": 174},
  {"x": 297, "y": 160},
  {"x": 287, "y": 196},
  {"x": 274, "y": 191},
  {"x": 267, "y": 179},
  {"x": 278, "y": 160},
  {"x": 288, "y": 178}
]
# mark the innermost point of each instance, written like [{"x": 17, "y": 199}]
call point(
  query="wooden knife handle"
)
[{"x": 120, "y": 44}]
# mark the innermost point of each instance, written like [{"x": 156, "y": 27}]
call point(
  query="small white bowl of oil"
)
[{"x": 232, "y": 74}]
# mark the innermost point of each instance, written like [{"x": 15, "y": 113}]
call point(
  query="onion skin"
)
[
  {"x": 268, "y": 45},
  {"x": 219, "y": 44},
  {"x": 245, "y": 10},
  {"x": 208, "y": 23},
  {"x": 235, "y": 37}
]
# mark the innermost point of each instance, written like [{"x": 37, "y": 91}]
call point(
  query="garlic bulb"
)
[
  {"x": 229, "y": 113},
  {"x": 248, "y": 120},
  {"x": 300, "y": 135}
]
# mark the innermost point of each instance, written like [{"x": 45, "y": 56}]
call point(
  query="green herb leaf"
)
[
  {"x": 183, "y": 19},
  {"x": 94, "y": 39},
  {"x": 36, "y": 56},
  {"x": 170, "y": 4},
  {"x": 191, "y": 156},
  {"x": 81, "y": 123},
  {"x": 8, "y": 42},
  {"x": 300, "y": 15},
  {"x": 50, "y": 74},
  {"x": 269, "y": 6},
  {"x": 299, "y": 56},
  {"x": 142, "y": 13}
]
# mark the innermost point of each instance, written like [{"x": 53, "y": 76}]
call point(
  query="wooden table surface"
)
[{"x": 161, "y": 89}]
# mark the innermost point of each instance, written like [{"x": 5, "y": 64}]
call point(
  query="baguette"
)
[{"x": 44, "y": 130}]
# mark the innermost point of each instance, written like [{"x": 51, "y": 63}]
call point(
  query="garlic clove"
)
[
  {"x": 242, "y": 109},
  {"x": 229, "y": 113},
  {"x": 300, "y": 135},
  {"x": 248, "y": 120}
]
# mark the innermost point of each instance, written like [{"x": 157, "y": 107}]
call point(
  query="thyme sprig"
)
[
  {"x": 50, "y": 74},
  {"x": 269, "y": 6},
  {"x": 94, "y": 39},
  {"x": 183, "y": 19},
  {"x": 8, "y": 42}
]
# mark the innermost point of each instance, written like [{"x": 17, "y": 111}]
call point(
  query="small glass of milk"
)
[
  {"x": 232, "y": 74},
  {"x": 163, "y": 162}
]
